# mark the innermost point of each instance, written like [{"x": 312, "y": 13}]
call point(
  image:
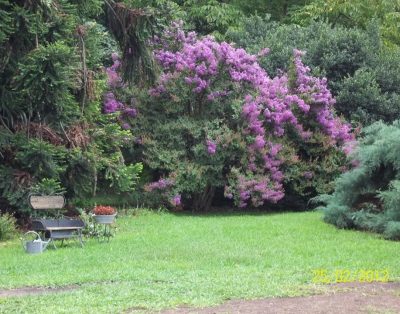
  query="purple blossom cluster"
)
[
  {"x": 175, "y": 200},
  {"x": 164, "y": 186},
  {"x": 269, "y": 106},
  {"x": 322, "y": 100},
  {"x": 211, "y": 147},
  {"x": 111, "y": 104},
  {"x": 113, "y": 78},
  {"x": 308, "y": 175},
  {"x": 161, "y": 184}
]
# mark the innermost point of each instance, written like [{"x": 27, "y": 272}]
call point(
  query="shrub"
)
[
  {"x": 367, "y": 197},
  {"x": 353, "y": 13},
  {"x": 91, "y": 229},
  {"x": 46, "y": 79},
  {"x": 48, "y": 187},
  {"x": 8, "y": 227},
  {"x": 339, "y": 216},
  {"x": 333, "y": 51},
  {"x": 216, "y": 120},
  {"x": 362, "y": 99},
  {"x": 392, "y": 230}
]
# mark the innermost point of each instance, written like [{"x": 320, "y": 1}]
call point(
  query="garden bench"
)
[{"x": 59, "y": 228}]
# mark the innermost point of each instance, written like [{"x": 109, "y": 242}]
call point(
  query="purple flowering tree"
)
[
  {"x": 216, "y": 120},
  {"x": 124, "y": 111}
]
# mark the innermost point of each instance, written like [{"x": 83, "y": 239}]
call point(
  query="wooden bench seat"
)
[{"x": 62, "y": 228}]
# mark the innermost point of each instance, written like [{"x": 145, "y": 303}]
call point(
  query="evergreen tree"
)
[{"x": 367, "y": 196}]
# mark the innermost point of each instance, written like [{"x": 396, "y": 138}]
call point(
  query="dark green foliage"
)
[
  {"x": 8, "y": 227},
  {"x": 339, "y": 216},
  {"x": 278, "y": 9},
  {"x": 387, "y": 70},
  {"x": 48, "y": 187},
  {"x": 367, "y": 197},
  {"x": 88, "y": 8},
  {"x": 361, "y": 98},
  {"x": 354, "y": 13},
  {"x": 52, "y": 71},
  {"x": 316, "y": 157},
  {"x": 203, "y": 16},
  {"x": 80, "y": 174},
  {"x": 216, "y": 16},
  {"x": 14, "y": 187},
  {"x": 335, "y": 51},
  {"x": 132, "y": 29},
  {"x": 174, "y": 142},
  {"x": 163, "y": 12},
  {"x": 392, "y": 230},
  {"x": 211, "y": 16},
  {"x": 28, "y": 161},
  {"x": 123, "y": 177},
  {"x": 99, "y": 45},
  {"x": 41, "y": 159},
  {"x": 5, "y": 21},
  {"x": 52, "y": 81},
  {"x": 391, "y": 200}
]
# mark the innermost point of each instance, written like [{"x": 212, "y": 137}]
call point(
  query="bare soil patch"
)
[
  {"x": 21, "y": 292},
  {"x": 349, "y": 298}
]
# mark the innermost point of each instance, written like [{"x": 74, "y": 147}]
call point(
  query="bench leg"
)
[{"x": 80, "y": 237}]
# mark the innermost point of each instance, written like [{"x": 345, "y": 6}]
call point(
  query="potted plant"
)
[{"x": 104, "y": 214}]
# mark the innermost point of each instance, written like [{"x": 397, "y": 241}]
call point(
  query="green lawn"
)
[{"x": 163, "y": 260}]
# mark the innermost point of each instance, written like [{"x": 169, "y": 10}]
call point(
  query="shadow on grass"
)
[{"x": 234, "y": 212}]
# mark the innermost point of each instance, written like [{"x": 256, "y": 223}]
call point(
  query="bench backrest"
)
[{"x": 47, "y": 202}]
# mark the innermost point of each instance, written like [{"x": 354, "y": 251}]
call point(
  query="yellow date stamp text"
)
[{"x": 326, "y": 276}]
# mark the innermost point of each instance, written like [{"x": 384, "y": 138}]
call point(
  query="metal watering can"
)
[{"x": 34, "y": 246}]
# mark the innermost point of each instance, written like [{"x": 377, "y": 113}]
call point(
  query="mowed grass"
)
[{"x": 164, "y": 260}]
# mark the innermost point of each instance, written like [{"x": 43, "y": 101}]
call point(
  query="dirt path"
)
[{"x": 371, "y": 298}]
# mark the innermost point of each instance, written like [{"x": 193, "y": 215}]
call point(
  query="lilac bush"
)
[{"x": 210, "y": 87}]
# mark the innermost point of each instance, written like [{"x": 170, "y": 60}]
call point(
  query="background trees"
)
[
  {"x": 70, "y": 108},
  {"x": 357, "y": 13}
]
